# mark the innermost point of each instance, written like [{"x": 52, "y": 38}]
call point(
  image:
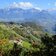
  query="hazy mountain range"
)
[{"x": 46, "y": 18}]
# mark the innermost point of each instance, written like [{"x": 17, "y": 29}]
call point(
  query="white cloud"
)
[
  {"x": 26, "y": 4},
  {"x": 23, "y": 5},
  {"x": 38, "y": 8},
  {"x": 53, "y": 6},
  {"x": 13, "y": 5}
]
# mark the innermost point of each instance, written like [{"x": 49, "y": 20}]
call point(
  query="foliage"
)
[
  {"x": 5, "y": 46},
  {"x": 22, "y": 40}
]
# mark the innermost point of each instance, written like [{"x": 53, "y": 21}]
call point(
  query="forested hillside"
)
[{"x": 25, "y": 39}]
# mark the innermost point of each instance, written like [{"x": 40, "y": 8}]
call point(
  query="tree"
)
[{"x": 50, "y": 43}]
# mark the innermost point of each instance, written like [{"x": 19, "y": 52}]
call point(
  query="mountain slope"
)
[{"x": 43, "y": 17}]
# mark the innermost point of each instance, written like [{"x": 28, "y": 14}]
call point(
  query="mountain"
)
[
  {"x": 15, "y": 30},
  {"x": 18, "y": 14},
  {"x": 43, "y": 17},
  {"x": 52, "y": 12}
]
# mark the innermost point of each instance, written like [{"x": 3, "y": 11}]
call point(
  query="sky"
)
[{"x": 38, "y": 4}]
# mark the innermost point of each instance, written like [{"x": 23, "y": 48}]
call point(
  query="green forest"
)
[{"x": 26, "y": 39}]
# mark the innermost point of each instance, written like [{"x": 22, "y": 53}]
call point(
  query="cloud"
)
[
  {"x": 13, "y": 5},
  {"x": 26, "y": 4},
  {"x": 53, "y": 6},
  {"x": 37, "y": 8},
  {"x": 23, "y": 5}
]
